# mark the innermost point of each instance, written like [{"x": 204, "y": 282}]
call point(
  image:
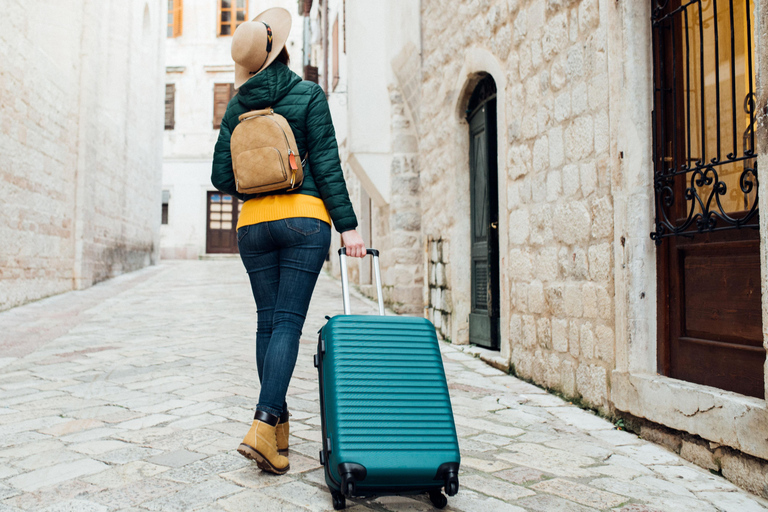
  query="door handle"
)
[{"x": 494, "y": 225}]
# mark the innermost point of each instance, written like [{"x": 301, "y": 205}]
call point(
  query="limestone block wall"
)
[
  {"x": 80, "y": 134},
  {"x": 395, "y": 227},
  {"x": 548, "y": 59},
  {"x": 438, "y": 293}
]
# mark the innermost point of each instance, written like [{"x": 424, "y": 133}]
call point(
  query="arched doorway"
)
[{"x": 484, "y": 324}]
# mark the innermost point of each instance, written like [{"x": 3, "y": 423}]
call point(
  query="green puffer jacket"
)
[{"x": 304, "y": 105}]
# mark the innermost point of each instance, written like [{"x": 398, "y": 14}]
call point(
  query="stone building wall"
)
[
  {"x": 578, "y": 288},
  {"x": 555, "y": 206},
  {"x": 81, "y": 135},
  {"x": 438, "y": 293}
]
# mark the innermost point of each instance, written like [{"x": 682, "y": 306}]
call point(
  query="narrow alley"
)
[{"x": 134, "y": 395}]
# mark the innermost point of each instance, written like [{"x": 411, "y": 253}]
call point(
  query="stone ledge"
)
[
  {"x": 224, "y": 68},
  {"x": 491, "y": 357},
  {"x": 744, "y": 470},
  {"x": 718, "y": 416}
]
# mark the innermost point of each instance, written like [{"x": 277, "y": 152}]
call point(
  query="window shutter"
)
[
  {"x": 222, "y": 93},
  {"x": 170, "y": 103},
  {"x": 178, "y": 18},
  {"x": 175, "y": 16},
  {"x": 310, "y": 73}
]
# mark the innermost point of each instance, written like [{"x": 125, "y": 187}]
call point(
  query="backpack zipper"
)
[{"x": 287, "y": 144}]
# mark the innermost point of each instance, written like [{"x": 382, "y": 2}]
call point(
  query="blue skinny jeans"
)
[{"x": 283, "y": 259}]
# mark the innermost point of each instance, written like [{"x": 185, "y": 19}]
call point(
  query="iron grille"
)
[{"x": 705, "y": 166}]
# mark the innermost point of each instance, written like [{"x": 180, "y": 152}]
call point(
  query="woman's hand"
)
[{"x": 354, "y": 243}]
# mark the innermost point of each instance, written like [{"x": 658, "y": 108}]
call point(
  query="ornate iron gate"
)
[
  {"x": 706, "y": 194},
  {"x": 704, "y": 118}
]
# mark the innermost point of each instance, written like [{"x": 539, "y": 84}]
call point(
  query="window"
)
[
  {"x": 231, "y": 14},
  {"x": 705, "y": 178},
  {"x": 335, "y": 54},
  {"x": 166, "y": 198},
  {"x": 222, "y": 93},
  {"x": 170, "y": 101},
  {"x": 174, "y": 18}
]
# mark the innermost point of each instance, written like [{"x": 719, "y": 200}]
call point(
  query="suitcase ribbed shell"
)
[{"x": 386, "y": 402}]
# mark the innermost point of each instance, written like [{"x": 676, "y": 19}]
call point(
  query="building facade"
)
[
  {"x": 366, "y": 56},
  {"x": 589, "y": 207},
  {"x": 197, "y": 220},
  {"x": 81, "y": 91}
]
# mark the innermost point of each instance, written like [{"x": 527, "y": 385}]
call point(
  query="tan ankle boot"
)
[
  {"x": 260, "y": 444},
  {"x": 282, "y": 431}
]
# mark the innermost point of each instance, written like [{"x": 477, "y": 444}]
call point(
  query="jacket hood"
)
[{"x": 268, "y": 87}]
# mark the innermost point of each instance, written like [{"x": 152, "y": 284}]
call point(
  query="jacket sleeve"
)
[
  {"x": 325, "y": 165},
  {"x": 222, "y": 176}
]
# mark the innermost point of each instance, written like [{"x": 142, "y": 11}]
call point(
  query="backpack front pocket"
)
[{"x": 260, "y": 170}]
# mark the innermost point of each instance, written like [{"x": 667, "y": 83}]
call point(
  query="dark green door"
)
[{"x": 484, "y": 316}]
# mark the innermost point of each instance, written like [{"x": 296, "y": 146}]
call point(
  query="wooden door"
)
[
  {"x": 484, "y": 316},
  {"x": 221, "y": 223},
  {"x": 705, "y": 179}
]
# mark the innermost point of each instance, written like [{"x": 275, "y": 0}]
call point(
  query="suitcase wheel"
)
[
  {"x": 438, "y": 499},
  {"x": 452, "y": 487},
  {"x": 339, "y": 502}
]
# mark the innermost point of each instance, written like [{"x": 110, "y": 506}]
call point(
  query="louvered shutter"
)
[
  {"x": 170, "y": 101},
  {"x": 222, "y": 93},
  {"x": 310, "y": 73}
]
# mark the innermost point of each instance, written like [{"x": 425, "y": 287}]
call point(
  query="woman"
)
[{"x": 283, "y": 238}]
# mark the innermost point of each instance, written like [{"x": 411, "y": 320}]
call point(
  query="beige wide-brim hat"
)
[{"x": 253, "y": 48}]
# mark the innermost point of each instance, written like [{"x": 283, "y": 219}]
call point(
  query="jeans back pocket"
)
[
  {"x": 241, "y": 233},
  {"x": 304, "y": 225}
]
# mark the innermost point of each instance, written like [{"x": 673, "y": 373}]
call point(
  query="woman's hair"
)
[{"x": 284, "y": 57}]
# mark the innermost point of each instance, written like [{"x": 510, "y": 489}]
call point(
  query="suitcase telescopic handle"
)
[{"x": 345, "y": 279}]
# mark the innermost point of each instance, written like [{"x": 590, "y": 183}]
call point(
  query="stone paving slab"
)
[{"x": 134, "y": 395}]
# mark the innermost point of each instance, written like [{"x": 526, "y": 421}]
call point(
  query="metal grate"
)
[{"x": 705, "y": 166}]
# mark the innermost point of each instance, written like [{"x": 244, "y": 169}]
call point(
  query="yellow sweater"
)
[{"x": 282, "y": 206}]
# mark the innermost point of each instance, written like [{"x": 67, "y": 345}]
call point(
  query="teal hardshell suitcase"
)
[{"x": 386, "y": 413}]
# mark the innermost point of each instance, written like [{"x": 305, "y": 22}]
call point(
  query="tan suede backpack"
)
[{"x": 264, "y": 154}]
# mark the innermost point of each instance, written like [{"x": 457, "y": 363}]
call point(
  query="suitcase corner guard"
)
[{"x": 449, "y": 474}]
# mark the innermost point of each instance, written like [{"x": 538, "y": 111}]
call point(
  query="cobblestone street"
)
[{"x": 134, "y": 395}]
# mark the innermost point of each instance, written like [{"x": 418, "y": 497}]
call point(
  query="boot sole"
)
[
  {"x": 261, "y": 461},
  {"x": 284, "y": 453}
]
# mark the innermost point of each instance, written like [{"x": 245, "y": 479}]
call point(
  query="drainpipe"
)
[
  {"x": 307, "y": 35},
  {"x": 325, "y": 47}
]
